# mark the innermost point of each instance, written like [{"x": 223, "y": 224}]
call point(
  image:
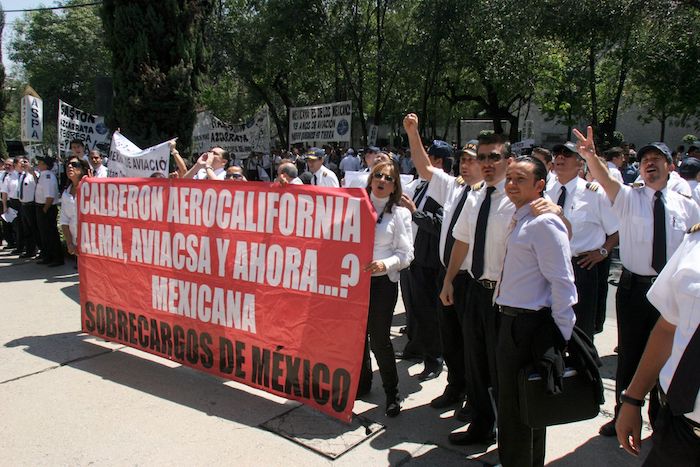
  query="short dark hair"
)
[
  {"x": 546, "y": 153},
  {"x": 77, "y": 141},
  {"x": 495, "y": 138},
  {"x": 540, "y": 171},
  {"x": 614, "y": 152}
]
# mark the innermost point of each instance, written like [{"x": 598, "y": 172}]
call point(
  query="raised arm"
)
[
  {"x": 586, "y": 148},
  {"x": 418, "y": 155}
]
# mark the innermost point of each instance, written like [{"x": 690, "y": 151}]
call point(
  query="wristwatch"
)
[
  {"x": 603, "y": 252},
  {"x": 209, "y": 167},
  {"x": 624, "y": 398}
]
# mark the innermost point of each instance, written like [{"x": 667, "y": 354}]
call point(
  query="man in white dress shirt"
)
[
  {"x": 98, "y": 169},
  {"x": 653, "y": 220},
  {"x": 211, "y": 165},
  {"x": 320, "y": 174}
]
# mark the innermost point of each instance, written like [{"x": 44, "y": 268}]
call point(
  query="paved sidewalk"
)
[{"x": 68, "y": 398}]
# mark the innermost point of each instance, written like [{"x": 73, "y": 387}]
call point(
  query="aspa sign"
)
[{"x": 31, "y": 118}]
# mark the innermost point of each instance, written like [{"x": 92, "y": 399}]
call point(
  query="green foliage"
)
[
  {"x": 690, "y": 139},
  {"x": 158, "y": 57},
  {"x": 60, "y": 53}
]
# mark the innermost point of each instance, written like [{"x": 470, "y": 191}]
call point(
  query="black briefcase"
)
[{"x": 576, "y": 402}]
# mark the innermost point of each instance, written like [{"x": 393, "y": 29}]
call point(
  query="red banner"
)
[{"x": 251, "y": 282}]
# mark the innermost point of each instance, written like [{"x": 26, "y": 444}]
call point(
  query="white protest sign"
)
[
  {"x": 319, "y": 123},
  {"x": 128, "y": 160},
  {"x": 372, "y": 135},
  {"x": 31, "y": 118},
  {"x": 520, "y": 145},
  {"x": 238, "y": 140},
  {"x": 74, "y": 123}
]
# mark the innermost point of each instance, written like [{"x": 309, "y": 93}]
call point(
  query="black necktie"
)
[
  {"x": 658, "y": 249},
  {"x": 480, "y": 235},
  {"x": 683, "y": 390},
  {"x": 420, "y": 193},
  {"x": 562, "y": 197},
  {"x": 315, "y": 181},
  {"x": 21, "y": 185},
  {"x": 450, "y": 240}
]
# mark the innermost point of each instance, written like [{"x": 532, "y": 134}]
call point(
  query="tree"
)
[
  {"x": 60, "y": 53},
  {"x": 158, "y": 58},
  {"x": 3, "y": 93},
  {"x": 666, "y": 84}
]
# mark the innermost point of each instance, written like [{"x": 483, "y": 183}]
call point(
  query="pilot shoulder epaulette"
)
[
  {"x": 694, "y": 229},
  {"x": 460, "y": 180},
  {"x": 637, "y": 185},
  {"x": 592, "y": 186},
  {"x": 477, "y": 186}
]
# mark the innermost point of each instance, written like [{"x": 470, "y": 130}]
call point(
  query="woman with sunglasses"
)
[
  {"x": 76, "y": 169},
  {"x": 393, "y": 251}
]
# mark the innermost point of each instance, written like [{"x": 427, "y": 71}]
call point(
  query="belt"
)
[
  {"x": 487, "y": 284},
  {"x": 647, "y": 280},
  {"x": 462, "y": 273},
  {"x": 692, "y": 424},
  {"x": 513, "y": 312}
]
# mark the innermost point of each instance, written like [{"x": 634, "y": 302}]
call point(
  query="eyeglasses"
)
[
  {"x": 493, "y": 157},
  {"x": 234, "y": 175},
  {"x": 74, "y": 164},
  {"x": 388, "y": 178}
]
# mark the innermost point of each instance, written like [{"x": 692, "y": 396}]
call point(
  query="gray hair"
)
[{"x": 289, "y": 169}]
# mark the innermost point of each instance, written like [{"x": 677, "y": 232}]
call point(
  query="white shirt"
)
[
  {"x": 393, "y": 240},
  {"x": 537, "y": 271},
  {"x": 325, "y": 177},
  {"x": 27, "y": 188},
  {"x": 676, "y": 294},
  {"x": 615, "y": 173},
  {"x": 9, "y": 185},
  {"x": 589, "y": 212},
  {"x": 350, "y": 163},
  {"x": 635, "y": 211},
  {"x": 296, "y": 181},
  {"x": 500, "y": 215},
  {"x": 47, "y": 187},
  {"x": 69, "y": 214},
  {"x": 100, "y": 172},
  {"x": 696, "y": 193},
  {"x": 679, "y": 184},
  {"x": 219, "y": 173},
  {"x": 446, "y": 191}
]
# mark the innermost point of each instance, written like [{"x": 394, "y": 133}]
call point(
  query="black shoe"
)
[
  {"x": 27, "y": 255},
  {"x": 16, "y": 252},
  {"x": 403, "y": 355},
  {"x": 464, "y": 438},
  {"x": 43, "y": 261},
  {"x": 464, "y": 413},
  {"x": 402, "y": 330},
  {"x": 448, "y": 398},
  {"x": 393, "y": 407},
  {"x": 430, "y": 372},
  {"x": 55, "y": 264},
  {"x": 608, "y": 429}
]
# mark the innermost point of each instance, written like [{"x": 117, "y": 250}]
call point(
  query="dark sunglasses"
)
[
  {"x": 388, "y": 178},
  {"x": 493, "y": 157},
  {"x": 233, "y": 176},
  {"x": 75, "y": 165}
]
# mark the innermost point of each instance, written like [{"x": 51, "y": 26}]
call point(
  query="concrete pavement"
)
[{"x": 69, "y": 398}]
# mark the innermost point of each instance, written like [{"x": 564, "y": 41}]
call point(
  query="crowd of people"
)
[{"x": 500, "y": 259}]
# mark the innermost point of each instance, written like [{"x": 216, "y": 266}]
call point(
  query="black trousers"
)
[
  {"x": 451, "y": 319},
  {"x": 586, "y": 309},
  {"x": 382, "y": 300},
  {"x": 7, "y": 233},
  {"x": 674, "y": 442},
  {"x": 601, "y": 310},
  {"x": 16, "y": 224},
  {"x": 51, "y": 248},
  {"x": 425, "y": 296},
  {"x": 29, "y": 230},
  {"x": 480, "y": 330},
  {"x": 412, "y": 346},
  {"x": 636, "y": 317},
  {"x": 518, "y": 444}
]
